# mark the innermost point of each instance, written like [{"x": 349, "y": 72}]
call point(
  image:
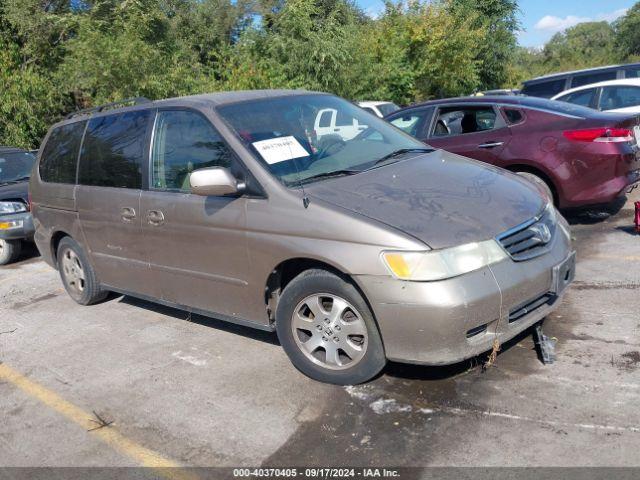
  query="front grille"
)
[
  {"x": 530, "y": 239},
  {"x": 531, "y": 306}
]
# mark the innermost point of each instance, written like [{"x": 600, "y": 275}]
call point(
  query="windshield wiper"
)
[
  {"x": 400, "y": 151},
  {"x": 321, "y": 176}
]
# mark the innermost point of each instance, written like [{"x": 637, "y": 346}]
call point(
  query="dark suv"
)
[
  {"x": 16, "y": 224},
  {"x": 548, "y": 86}
]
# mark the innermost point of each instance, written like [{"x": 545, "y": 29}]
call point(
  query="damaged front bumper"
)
[{"x": 444, "y": 322}]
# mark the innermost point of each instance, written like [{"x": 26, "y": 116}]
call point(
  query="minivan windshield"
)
[
  {"x": 307, "y": 138},
  {"x": 15, "y": 166}
]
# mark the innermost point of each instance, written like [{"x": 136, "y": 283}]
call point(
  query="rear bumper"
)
[
  {"x": 20, "y": 226},
  {"x": 604, "y": 192},
  {"x": 438, "y": 323}
]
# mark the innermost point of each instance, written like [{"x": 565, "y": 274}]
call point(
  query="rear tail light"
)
[{"x": 600, "y": 135}]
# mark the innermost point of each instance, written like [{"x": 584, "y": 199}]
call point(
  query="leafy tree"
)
[
  {"x": 628, "y": 32},
  {"x": 586, "y": 45},
  {"x": 500, "y": 20}
]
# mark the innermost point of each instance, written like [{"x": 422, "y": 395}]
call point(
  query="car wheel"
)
[
  {"x": 77, "y": 274},
  {"x": 9, "y": 251},
  {"x": 327, "y": 329},
  {"x": 533, "y": 178}
]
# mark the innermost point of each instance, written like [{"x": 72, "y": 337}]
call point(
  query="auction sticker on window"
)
[{"x": 280, "y": 149}]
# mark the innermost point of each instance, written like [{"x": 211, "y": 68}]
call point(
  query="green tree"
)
[
  {"x": 500, "y": 20},
  {"x": 628, "y": 32},
  {"x": 586, "y": 45}
]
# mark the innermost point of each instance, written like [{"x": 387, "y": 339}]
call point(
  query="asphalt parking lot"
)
[{"x": 126, "y": 383}]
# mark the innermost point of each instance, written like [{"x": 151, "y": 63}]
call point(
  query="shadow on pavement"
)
[{"x": 248, "y": 332}]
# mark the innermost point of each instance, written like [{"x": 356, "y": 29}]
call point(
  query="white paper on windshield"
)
[{"x": 280, "y": 149}]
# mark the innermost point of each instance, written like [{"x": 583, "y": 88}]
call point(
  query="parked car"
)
[
  {"x": 622, "y": 96},
  {"x": 579, "y": 156},
  {"x": 330, "y": 121},
  {"x": 379, "y": 109},
  {"x": 548, "y": 86},
  {"x": 16, "y": 225},
  {"x": 367, "y": 249}
]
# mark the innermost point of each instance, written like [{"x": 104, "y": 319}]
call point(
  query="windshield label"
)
[{"x": 280, "y": 149}]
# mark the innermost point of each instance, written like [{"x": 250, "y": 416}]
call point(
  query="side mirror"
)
[{"x": 215, "y": 181}]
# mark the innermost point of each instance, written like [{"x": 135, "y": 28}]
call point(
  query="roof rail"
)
[{"x": 107, "y": 106}]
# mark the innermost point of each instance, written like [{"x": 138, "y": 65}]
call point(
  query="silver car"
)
[{"x": 354, "y": 249}]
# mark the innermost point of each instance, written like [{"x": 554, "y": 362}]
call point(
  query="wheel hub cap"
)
[{"x": 329, "y": 331}]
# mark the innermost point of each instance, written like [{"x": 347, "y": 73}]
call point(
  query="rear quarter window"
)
[
  {"x": 113, "y": 150},
  {"x": 513, "y": 116},
  {"x": 59, "y": 159}
]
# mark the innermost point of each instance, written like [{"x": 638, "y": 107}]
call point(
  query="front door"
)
[
  {"x": 197, "y": 245},
  {"x": 478, "y": 132},
  {"x": 108, "y": 199}
]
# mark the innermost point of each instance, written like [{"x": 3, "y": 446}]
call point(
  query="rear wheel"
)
[
  {"x": 9, "y": 251},
  {"x": 535, "y": 179},
  {"x": 327, "y": 329},
  {"x": 77, "y": 274}
]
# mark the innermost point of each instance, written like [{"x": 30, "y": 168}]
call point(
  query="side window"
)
[
  {"x": 113, "y": 149},
  {"x": 343, "y": 119},
  {"x": 413, "y": 122},
  {"x": 184, "y": 141},
  {"x": 59, "y": 159},
  {"x": 460, "y": 121},
  {"x": 545, "y": 89},
  {"x": 325, "y": 120},
  {"x": 632, "y": 72},
  {"x": 586, "y": 79},
  {"x": 619, "y": 97},
  {"x": 585, "y": 98},
  {"x": 513, "y": 116}
]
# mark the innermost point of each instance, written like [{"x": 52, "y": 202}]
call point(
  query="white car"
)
[
  {"x": 611, "y": 96},
  {"x": 330, "y": 122},
  {"x": 381, "y": 109}
]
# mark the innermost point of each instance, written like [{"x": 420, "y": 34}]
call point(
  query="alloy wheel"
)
[{"x": 329, "y": 331}]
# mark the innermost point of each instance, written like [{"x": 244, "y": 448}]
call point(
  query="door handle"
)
[
  {"x": 155, "y": 217},
  {"x": 127, "y": 214},
  {"x": 491, "y": 145}
]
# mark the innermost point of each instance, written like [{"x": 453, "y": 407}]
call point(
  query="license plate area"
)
[{"x": 563, "y": 274}]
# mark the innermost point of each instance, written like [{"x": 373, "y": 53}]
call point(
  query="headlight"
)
[
  {"x": 441, "y": 264},
  {"x": 12, "y": 207}
]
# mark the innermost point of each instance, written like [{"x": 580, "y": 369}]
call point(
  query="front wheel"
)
[
  {"x": 327, "y": 329},
  {"x": 9, "y": 251}
]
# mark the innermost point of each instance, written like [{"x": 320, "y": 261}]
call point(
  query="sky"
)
[{"x": 541, "y": 19}]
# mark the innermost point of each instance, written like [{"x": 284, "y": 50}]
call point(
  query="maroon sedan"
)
[{"x": 577, "y": 155}]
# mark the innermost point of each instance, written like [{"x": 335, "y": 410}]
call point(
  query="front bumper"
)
[
  {"x": 444, "y": 322},
  {"x": 16, "y": 226}
]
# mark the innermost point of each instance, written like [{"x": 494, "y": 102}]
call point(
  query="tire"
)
[
  {"x": 78, "y": 276},
  {"x": 536, "y": 180},
  {"x": 340, "y": 342},
  {"x": 9, "y": 251}
]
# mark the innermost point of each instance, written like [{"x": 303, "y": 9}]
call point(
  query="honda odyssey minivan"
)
[{"x": 355, "y": 250}]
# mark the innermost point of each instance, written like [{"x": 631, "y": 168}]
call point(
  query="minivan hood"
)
[{"x": 440, "y": 198}]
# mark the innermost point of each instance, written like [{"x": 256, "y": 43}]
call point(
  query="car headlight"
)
[
  {"x": 445, "y": 263},
  {"x": 12, "y": 207}
]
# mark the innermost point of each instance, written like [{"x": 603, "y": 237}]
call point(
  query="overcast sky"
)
[{"x": 542, "y": 18}]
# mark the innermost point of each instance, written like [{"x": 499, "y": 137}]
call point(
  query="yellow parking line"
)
[{"x": 109, "y": 435}]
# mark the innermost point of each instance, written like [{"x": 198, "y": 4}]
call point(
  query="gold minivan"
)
[{"x": 355, "y": 247}]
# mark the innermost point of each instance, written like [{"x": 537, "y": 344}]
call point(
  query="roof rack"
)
[{"x": 107, "y": 106}]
